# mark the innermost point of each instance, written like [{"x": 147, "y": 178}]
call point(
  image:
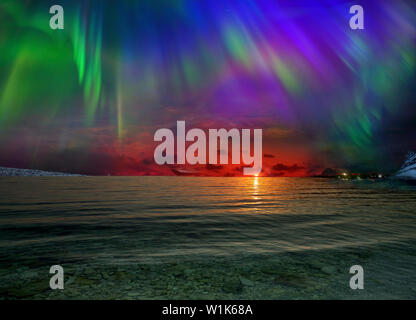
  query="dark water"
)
[{"x": 173, "y": 237}]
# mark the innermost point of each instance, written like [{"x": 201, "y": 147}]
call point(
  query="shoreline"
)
[{"x": 15, "y": 172}]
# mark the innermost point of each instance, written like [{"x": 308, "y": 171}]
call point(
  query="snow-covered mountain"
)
[{"x": 408, "y": 169}]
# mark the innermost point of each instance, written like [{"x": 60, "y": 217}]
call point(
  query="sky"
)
[{"x": 88, "y": 99}]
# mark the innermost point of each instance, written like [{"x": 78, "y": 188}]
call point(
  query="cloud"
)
[
  {"x": 213, "y": 167},
  {"x": 290, "y": 169},
  {"x": 277, "y": 133}
]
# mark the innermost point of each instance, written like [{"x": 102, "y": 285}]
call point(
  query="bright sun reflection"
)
[{"x": 256, "y": 188}]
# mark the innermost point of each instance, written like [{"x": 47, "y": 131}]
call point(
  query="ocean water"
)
[{"x": 206, "y": 238}]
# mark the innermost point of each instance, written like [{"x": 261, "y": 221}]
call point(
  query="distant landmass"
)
[
  {"x": 331, "y": 172},
  {"x": 13, "y": 172},
  {"x": 406, "y": 172}
]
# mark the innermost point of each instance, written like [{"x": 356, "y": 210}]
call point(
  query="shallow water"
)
[{"x": 192, "y": 238}]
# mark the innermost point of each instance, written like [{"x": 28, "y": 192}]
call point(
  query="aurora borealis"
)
[{"x": 88, "y": 99}]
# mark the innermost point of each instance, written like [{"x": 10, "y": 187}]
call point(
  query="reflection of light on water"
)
[{"x": 256, "y": 188}]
